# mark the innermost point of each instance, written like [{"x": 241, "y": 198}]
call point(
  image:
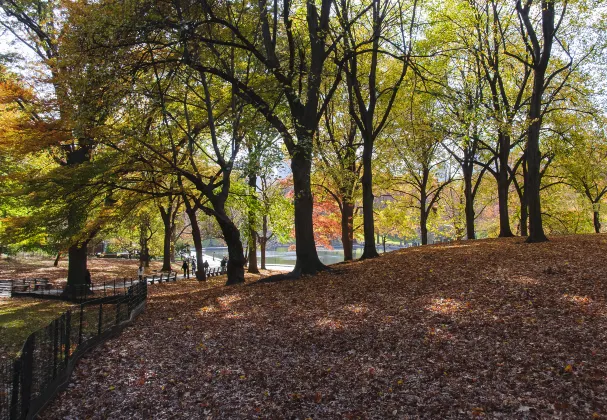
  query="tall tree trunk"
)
[
  {"x": 347, "y": 228},
  {"x": 532, "y": 183},
  {"x": 469, "y": 204},
  {"x": 197, "y": 238},
  {"x": 423, "y": 224},
  {"x": 307, "y": 257},
  {"x": 77, "y": 252},
  {"x": 252, "y": 231},
  {"x": 166, "y": 244},
  {"x": 263, "y": 241},
  {"x": 523, "y": 197},
  {"x": 144, "y": 252},
  {"x": 503, "y": 185},
  {"x": 597, "y": 222},
  {"x": 368, "y": 218}
]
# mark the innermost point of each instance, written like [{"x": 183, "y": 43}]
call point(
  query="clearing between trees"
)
[{"x": 492, "y": 327}]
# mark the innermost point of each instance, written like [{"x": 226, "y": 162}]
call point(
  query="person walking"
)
[
  {"x": 140, "y": 271},
  {"x": 193, "y": 266},
  {"x": 186, "y": 269}
]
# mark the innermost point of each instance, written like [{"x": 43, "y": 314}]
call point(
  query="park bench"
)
[
  {"x": 20, "y": 285},
  {"x": 171, "y": 276},
  {"x": 6, "y": 288},
  {"x": 40, "y": 284}
]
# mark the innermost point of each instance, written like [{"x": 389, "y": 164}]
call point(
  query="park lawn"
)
[
  {"x": 102, "y": 269},
  {"x": 19, "y": 317},
  {"x": 492, "y": 328}
]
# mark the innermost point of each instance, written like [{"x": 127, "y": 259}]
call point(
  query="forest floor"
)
[{"x": 494, "y": 328}]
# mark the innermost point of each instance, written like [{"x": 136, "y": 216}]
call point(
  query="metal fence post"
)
[
  {"x": 27, "y": 371},
  {"x": 100, "y": 319},
  {"x": 68, "y": 333},
  {"x": 55, "y": 329}
]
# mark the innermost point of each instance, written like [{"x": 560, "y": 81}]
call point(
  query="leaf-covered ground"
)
[
  {"x": 494, "y": 328},
  {"x": 102, "y": 269}
]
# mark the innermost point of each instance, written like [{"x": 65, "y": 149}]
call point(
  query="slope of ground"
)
[{"x": 493, "y": 328}]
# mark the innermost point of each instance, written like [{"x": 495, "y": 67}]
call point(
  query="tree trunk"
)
[
  {"x": 166, "y": 248},
  {"x": 76, "y": 220},
  {"x": 367, "y": 188},
  {"x": 252, "y": 231},
  {"x": 503, "y": 184},
  {"x": 56, "y": 263},
  {"x": 523, "y": 197},
  {"x": 423, "y": 222},
  {"x": 231, "y": 235},
  {"x": 597, "y": 222},
  {"x": 264, "y": 241},
  {"x": 347, "y": 229},
  {"x": 76, "y": 270},
  {"x": 469, "y": 205},
  {"x": 532, "y": 183},
  {"x": 197, "y": 238},
  {"x": 307, "y": 258}
]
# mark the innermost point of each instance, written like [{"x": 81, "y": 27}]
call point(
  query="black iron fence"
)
[
  {"x": 42, "y": 288},
  {"x": 49, "y": 354}
]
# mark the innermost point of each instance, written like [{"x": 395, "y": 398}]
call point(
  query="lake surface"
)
[{"x": 282, "y": 255}]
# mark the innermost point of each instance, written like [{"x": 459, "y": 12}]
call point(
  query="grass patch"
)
[{"x": 21, "y": 317}]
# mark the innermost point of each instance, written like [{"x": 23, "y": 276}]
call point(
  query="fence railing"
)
[
  {"x": 49, "y": 355},
  {"x": 33, "y": 288}
]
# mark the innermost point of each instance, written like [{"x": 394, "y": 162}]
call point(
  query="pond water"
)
[{"x": 282, "y": 255}]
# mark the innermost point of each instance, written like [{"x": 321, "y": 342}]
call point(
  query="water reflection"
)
[{"x": 282, "y": 255}]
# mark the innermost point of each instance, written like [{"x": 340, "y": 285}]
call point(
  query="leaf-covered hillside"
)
[{"x": 495, "y": 328}]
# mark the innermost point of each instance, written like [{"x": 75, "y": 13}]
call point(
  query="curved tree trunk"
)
[
  {"x": 368, "y": 218},
  {"x": 231, "y": 235},
  {"x": 56, "y": 262}
]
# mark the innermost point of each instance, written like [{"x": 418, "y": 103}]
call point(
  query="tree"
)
[
  {"x": 422, "y": 168},
  {"x": 585, "y": 168},
  {"x": 539, "y": 44},
  {"x": 339, "y": 165},
  {"x": 386, "y": 42}
]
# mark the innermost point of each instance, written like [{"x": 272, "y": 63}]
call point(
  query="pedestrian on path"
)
[
  {"x": 186, "y": 269},
  {"x": 140, "y": 271},
  {"x": 193, "y": 266}
]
